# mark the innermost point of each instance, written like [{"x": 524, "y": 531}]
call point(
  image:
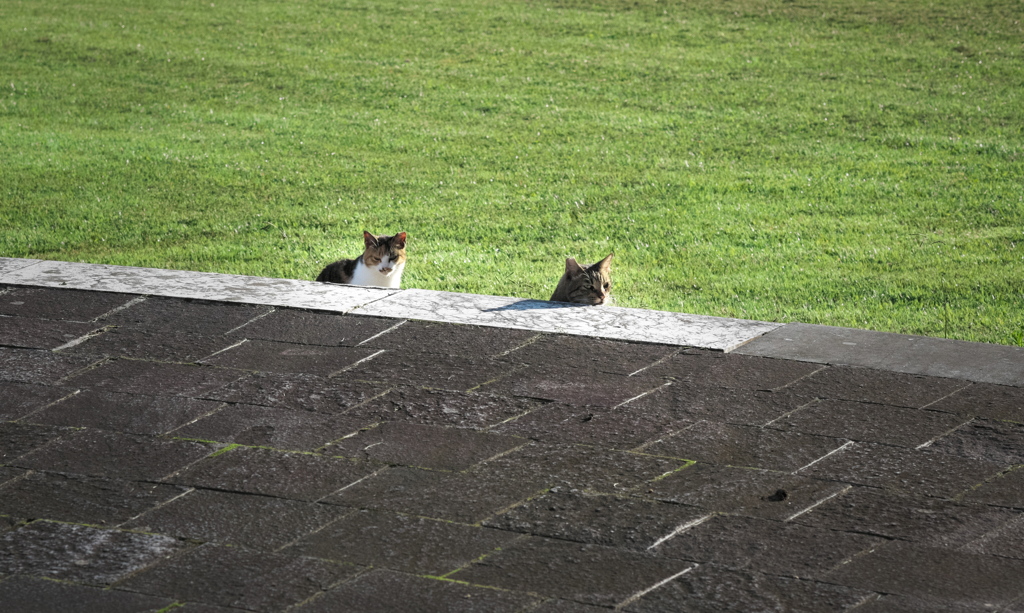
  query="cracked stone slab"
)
[
  {"x": 235, "y": 577},
  {"x": 271, "y": 356},
  {"x": 893, "y": 352},
  {"x": 41, "y": 333},
  {"x": 443, "y": 408},
  {"x": 162, "y": 346},
  {"x": 9, "y": 265},
  {"x": 876, "y": 386},
  {"x": 141, "y": 377},
  {"x": 257, "y": 522},
  {"x": 60, "y": 304},
  {"x": 308, "y": 328},
  {"x": 253, "y": 425},
  {"x": 590, "y": 574},
  {"x": 895, "y": 603},
  {"x": 712, "y": 368},
  {"x": 17, "y": 440},
  {"x": 1006, "y": 490},
  {"x": 450, "y": 339},
  {"x": 1007, "y": 540},
  {"x": 417, "y": 545},
  {"x": 20, "y": 399},
  {"x": 571, "y": 385},
  {"x": 448, "y": 372},
  {"x": 385, "y": 591},
  {"x": 84, "y": 554},
  {"x": 987, "y": 401},
  {"x": 33, "y": 594},
  {"x": 129, "y": 413},
  {"x": 298, "y": 391},
  {"x": 194, "y": 285},
  {"x": 689, "y": 401},
  {"x": 542, "y": 316},
  {"x": 40, "y": 366},
  {"x": 158, "y": 315},
  {"x": 602, "y": 355},
  {"x": 989, "y": 440},
  {"x": 75, "y": 498}
]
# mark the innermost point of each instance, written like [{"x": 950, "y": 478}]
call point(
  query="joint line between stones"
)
[
  {"x": 253, "y": 320},
  {"x": 403, "y": 322},
  {"x": 836, "y": 450},
  {"x": 818, "y": 503},
  {"x": 646, "y": 591}
]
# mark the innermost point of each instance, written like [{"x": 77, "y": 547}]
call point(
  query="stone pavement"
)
[{"x": 161, "y": 451}]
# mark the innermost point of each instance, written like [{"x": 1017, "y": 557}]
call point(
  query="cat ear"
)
[
  {"x": 605, "y": 264},
  {"x": 369, "y": 239},
  {"x": 400, "y": 240},
  {"x": 571, "y": 267}
]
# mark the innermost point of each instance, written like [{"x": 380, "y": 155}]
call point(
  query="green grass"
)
[{"x": 840, "y": 162}]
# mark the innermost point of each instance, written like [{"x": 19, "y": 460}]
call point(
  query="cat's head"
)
[
  {"x": 589, "y": 284},
  {"x": 385, "y": 254}
]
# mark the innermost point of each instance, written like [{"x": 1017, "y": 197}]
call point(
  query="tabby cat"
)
[
  {"x": 381, "y": 264},
  {"x": 585, "y": 284}
]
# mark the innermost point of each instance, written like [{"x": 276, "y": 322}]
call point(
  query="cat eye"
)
[{"x": 607, "y": 285}]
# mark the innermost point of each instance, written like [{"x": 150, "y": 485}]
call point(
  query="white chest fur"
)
[{"x": 373, "y": 275}]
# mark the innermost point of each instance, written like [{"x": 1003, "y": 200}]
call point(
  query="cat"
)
[
  {"x": 381, "y": 264},
  {"x": 585, "y": 284}
]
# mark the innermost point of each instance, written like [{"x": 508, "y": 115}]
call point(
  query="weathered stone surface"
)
[
  {"x": 27, "y": 594},
  {"x": 299, "y": 476},
  {"x": 1006, "y": 490},
  {"x": 271, "y": 356},
  {"x": 712, "y": 368},
  {"x": 138, "y": 377},
  {"x": 912, "y": 471},
  {"x": 600, "y": 426},
  {"x": 1007, "y": 540},
  {"x": 985, "y": 400},
  {"x": 744, "y": 491},
  {"x": 88, "y": 500},
  {"x": 235, "y": 577},
  {"x": 461, "y": 497},
  {"x": 878, "y": 386},
  {"x": 895, "y": 603},
  {"x": 165, "y": 346},
  {"x": 998, "y": 442},
  {"x": 382, "y": 539},
  {"x": 40, "y": 366},
  {"x": 555, "y": 350},
  {"x": 384, "y": 591},
  {"x": 612, "y": 521},
  {"x": 931, "y": 573},
  {"x": 710, "y": 588},
  {"x": 443, "y": 408},
  {"x": 157, "y": 314},
  {"x": 116, "y": 456},
  {"x": 310, "y": 328},
  {"x": 257, "y": 522},
  {"x": 719, "y": 443},
  {"x": 423, "y": 446},
  {"x": 682, "y": 400},
  {"x": 297, "y": 391},
  {"x": 572, "y": 385},
  {"x": 19, "y": 399},
  {"x": 9, "y": 472},
  {"x": 555, "y": 605},
  {"x": 585, "y": 573},
  {"x": 247, "y": 424},
  {"x": 450, "y": 339},
  {"x": 18, "y": 439},
  {"x": 876, "y": 423},
  {"x": 777, "y": 548},
  {"x": 84, "y": 554},
  {"x": 437, "y": 371},
  {"x": 59, "y": 304},
  {"x": 41, "y": 333},
  {"x": 131, "y": 413}
]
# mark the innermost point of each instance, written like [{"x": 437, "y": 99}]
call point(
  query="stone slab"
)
[
  {"x": 443, "y": 408},
  {"x": 416, "y": 545},
  {"x": 619, "y": 357},
  {"x": 542, "y": 316},
  {"x": 298, "y": 391},
  {"x": 8, "y": 265},
  {"x": 253, "y": 425},
  {"x": 1007, "y": 540},
  {"x": 40, "y": 366},
  {"x": 312, "y": 328},
  {"x": 896, "y": 603},
  {"x": 60, "y": 304},
  {"x": 17, "y": 440},
  {"x": 877, "y": 386},
  {"x": 235, "y": 577},
  {"x": 689, "y": 401},
  {"x": 141, "y": 377},
  {"x": 450, "y": 339},
  {"x": 895, "y": 352},
  {"x": 195, "y": 285},
  {"x": 385, "y": 591},
  {"x": 998, "y": 442},
  {"x": 26, "y": 594},
  {"x": 437, "y": 371},
  {"x": 161, "y": 315},
  {"x": 571, "y": 385},
  {"x": 257, "y": 522},
  {"x": 732, "y": 370},
  {"x": 590, "y": 574},
  {"x": 20, "y": 399},
  {"x": 1006, "y": 490},
  {"x": 985, "y": 400},
  {"x": 41, "y": 333},
  {"x": 159, "y": 346},
  {"x": 84, "y": 554},
  {"x": 129, "y": 413},
  {"x": 271, "y": 356}
]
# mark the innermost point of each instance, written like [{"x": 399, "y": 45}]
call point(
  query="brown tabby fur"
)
[
  {"x": 368, "y": 264},
  {"x": 585, "y": 285}
]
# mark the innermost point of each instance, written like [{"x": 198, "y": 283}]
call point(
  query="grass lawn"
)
[{"x": 845, "y": 162}]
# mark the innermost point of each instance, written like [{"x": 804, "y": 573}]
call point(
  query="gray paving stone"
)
[
  {"x": 139, "y": 377},
  {"x": 443, "y": 408},
  {"x": 298, "y": 476},
  {"x": 19, "y": 399},
  {"x": 985, "y": 400},
  {"x": 310, "y": 328},
  {"x": 235, "y": 577},
  {"x": 297, "y": 391},
  {"x": 82, "y": 554},
  {"x": 17, "y": 440},
  {"x": 437, "y": 371},
  {"x": 629, "y": 523},
  {"x": 682, "y": 400},
  {"x": 41, "y": 333},
  {"x": 9, "y": 472},
  {"x": 271, "y": 356},
  {"x": 761, "y": 545},
  {"x": 712, "y": 589},
  {"x": 590, "y": 574},
  {"x": 383, "y": 539},
  {"x": 744, "y": 491},
  {"x": 9, "y": 522},
  {"x": 257, "y": 522},
  {"x": 555, "y": 605},
  {"x": 165, "y": 346},
  {"x": 877, "y": 386},
  {"x": 461, "y": 497},
  {"x": 930, "y": 521},
  {"x": 59, "y": 304},
  {"x": 1006, "y": 490},
  {"x": 572, "y": 385},
  {"x": 922, "y": 472},
  {"x": 619, "y": 357},
  {"x": 88, "y": 500},
  {"x": 115, "y": 455},
  {"x": 423, "y": 446},
  {"x": 718, "y": 443},
  {"x": 876, "y": 423},
  {"x": 599, "y": 426},
  {"x": 157, "y": 314},
  {"x": 932, "y": 573},
  {"x": 384, "y": 591},
  {"x": 247, "y": 424},
  {"x": 895, "y": 603},
  {"x": 450, "y": 339},
  {"x": 998, "y": 442},
  {"x": 713, "y": 368},
  {"x": 40, "y": 366},
  {"x": 131, "y": 413},
  {"x": 1007, "y": 540},
  {"x": 34, "y": 595}
]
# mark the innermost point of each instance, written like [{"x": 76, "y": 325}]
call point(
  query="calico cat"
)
[
  {"x": 381, "y": 264},
  {"x": 585, "y": 285}
]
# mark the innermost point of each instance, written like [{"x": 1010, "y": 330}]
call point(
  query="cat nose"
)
[{"x": 385, "y": 270}]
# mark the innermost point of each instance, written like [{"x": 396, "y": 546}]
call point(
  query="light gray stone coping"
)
[{"x": 602, "y": 322}]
